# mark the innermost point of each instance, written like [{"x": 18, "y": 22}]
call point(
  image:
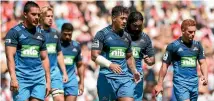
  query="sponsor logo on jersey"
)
[
  {"x": 109, "y": 38},
  {"x": 95, "y": 44},
  {"x": 136, "y": 52},
  {"x": 74, "y": 50},
  {"x": 7, "y": 40},
  {"x": 55, "y": 36},
  {"x": 117, "y": 52},
  {"x": 22, "y": 37},
  {"x": 165, "y": 56},
  {"x": 39, "y": 37},
  {"x": 69, "y": 60},
  {"x": 30, "y": 51},
  {"x": 51, "y": 47},
  {"x": 188, "y": 61}
]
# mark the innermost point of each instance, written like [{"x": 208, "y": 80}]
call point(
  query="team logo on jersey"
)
[
  {"x": 110, "y": 38},
  {"x": 165, "y": 56},
  {"x": 136, "y": 52},
  {"x": 180, "y": 50},
  {"x": 117, "y": 52},
  {"x": 29, "y": 51},
  {"x": 195, "y": 48},
  {"x": 51, "y": 47},
  {"x": 39, "y": 37},
  {"x": 188, "y": 61},
  {"x": 95, "y": 44},
  {"x": 74, "y": 50},
  {"x": 22, "y": 37},
  {"x": 55, "y": 36},
  {"x": 69, "y": 60}
]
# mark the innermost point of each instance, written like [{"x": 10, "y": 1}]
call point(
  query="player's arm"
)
[
  {"x": 11, "y": 42},
  {"x": 167, "y": 58},
  {"x": 149, "y": 56},
  {"x": 60, "y": 59},
  {"x": 46, "y": 66},
  {"x": 203, "y": 65},
  {"x": 97, "y": 46},
  {"x": 80, "y": 70}
]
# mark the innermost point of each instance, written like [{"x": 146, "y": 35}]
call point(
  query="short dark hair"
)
[
  {"x": 67, "y": 26},
  {"x": 134, "y": 16},
  {"x": 28, "y": 5},
  {"x": 118, "y": 10}
]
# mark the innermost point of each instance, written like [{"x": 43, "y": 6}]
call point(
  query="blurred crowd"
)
[{"x": 162, "y": 21}]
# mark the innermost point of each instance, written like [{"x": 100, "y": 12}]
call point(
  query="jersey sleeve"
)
[
  {"x": 58, "y": 44},
  {"x": 78, "y": 58},
  {"x": 149, "y": 50},
  {"x": 129, "y": 49},
  {"x": 167, "y": 58},
  {"x": 11, "y": 38},
  {"x": 97, "y": 42},
  {"x": 201, "y": 54},
  {"x": 43, "y": 45}
]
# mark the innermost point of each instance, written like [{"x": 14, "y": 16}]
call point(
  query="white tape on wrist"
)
[{"x": 102, "y": 61}]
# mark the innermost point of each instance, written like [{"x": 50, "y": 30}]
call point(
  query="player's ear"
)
[{"x": 25, "y": 15}]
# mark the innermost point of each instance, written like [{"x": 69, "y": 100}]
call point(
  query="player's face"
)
[
  {"x": 66, "y": 35},
  {"x": 32, "y": 16},
  {"x": 120, "y": 21},
  {"x": 136, "y": 27},
  {"x": 189, "y": 33},
  {"x": 48, "y": 18}
]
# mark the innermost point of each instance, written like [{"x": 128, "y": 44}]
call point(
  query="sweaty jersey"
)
[
  {"x": 28, "y": 64},
  {"x": 184, "y": 61},
  {"x": 114, "y": 48},
  {"x": 72, "y": 55},
  {"x": 140, "y": 48},
  {"x": 53, "y": 46}
]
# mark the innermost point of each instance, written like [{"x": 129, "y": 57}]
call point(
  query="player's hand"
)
[
  {"x": 14, "y": 85},
  {"x": 48, "y": 89},
  {"x": 81, "y": 89},
  {"x": 158, "y": 89},
  {"x": 204, "y": 80},
  {"x": 65, "y": 77},
  {"x": 115, "y": 68},
  {"x": 137, "y": 77}
]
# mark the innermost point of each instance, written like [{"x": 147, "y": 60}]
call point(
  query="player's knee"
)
[{"x": 57, "y": 92}]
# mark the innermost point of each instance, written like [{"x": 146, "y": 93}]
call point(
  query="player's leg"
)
[
  {"x": 34, "y": 99},
  {"x": 138, "y": 92},
  {"x": 104, "y": 89},
  {"x": 57, "y": 85},
  {"x": 70, "y": 98},
  {"x": 126, "y": 90}
]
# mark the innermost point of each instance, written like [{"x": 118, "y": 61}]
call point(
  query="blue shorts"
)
[
  {"x": 27, "y": 90},
  {"x": 112, "y": 89},
  {"x": 71, "y": 87},
  {"x": 56, "y": 79},
  {"x": 138, "y": 92},
  {"x": 185, "y": 92}
]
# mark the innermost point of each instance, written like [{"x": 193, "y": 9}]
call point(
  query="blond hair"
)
[{"x": 44, "y": 11}]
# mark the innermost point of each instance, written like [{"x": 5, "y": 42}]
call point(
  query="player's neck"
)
[
  {"x": 45, "y": 27},
  {"x": 115, "y": 29},
  {"x": 185, "y": 40},
  {"x": 28, "y": 25}
]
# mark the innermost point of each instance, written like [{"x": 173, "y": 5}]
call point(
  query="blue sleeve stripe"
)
[{"x": 17, "y": 28}]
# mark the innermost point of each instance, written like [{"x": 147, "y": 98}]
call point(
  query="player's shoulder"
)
[
  {"x": 197, "y": 43},
  {"x": 16, "y": 28},
  {"x": 127, "y": 35},
  {"x": 145, "y": 36},
  {"x": 75, "y": 43},
  {"x": 104, "y": 31}
]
